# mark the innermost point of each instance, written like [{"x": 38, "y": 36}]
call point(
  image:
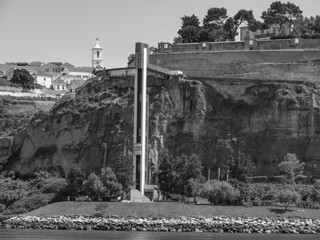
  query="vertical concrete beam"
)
[{"x": 140, "y": 115}]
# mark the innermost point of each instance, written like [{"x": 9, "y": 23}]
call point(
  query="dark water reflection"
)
[{"x": 106, "y": 235}]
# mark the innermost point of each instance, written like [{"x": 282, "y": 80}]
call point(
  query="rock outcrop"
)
[{"x": 212, "y": 118}]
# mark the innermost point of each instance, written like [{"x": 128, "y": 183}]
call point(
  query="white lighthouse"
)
[{"x": 96, "y": 55}]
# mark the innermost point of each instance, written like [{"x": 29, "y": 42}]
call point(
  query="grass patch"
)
[{"x": 167, "y": 210}]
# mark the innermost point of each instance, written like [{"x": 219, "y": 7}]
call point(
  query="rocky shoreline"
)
[{"x": 181, "y": 224}]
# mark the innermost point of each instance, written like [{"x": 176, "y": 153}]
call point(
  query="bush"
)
[
  {"x": 83, "y": 199},
  {"x": 247, "y": 204},
  {"x": 287, "y": 197},
  {"x": 93, "y": 187},
  {"x": 256, "y": 202},
  {"x": 2, "y": 207},
  {"x": 175, "y": 197},
  {"x": 29, "y": 203},
  {"x": 54, "y": 185},
  {"x": 217, "y": 192},
  {"x": 315, "y": 192},
  {"x": 242, "y": 187}
]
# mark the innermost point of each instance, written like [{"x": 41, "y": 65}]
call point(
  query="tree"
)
[
  {"x": 213, "y": 25},
  {"x": 22, "y": 77},
  {"x": 241, "y": 167},
  {"x": 93, "y": 187},
  {"x": 111, "y": 184},
  {"x": 174, "y": 173},
  {"x": 307, "y": 26},
  {"x": 186, "y": 168},
  {"x": 292, "y": 166},
  {"x": 195, "y": 186},
  {"x": 123, "y": 168},
  {"x": 189, "y": 34},
  {"x": 316, "y": 25},
  {"x": 75, "y": 181},
  {"x": 189, "y": 31},
  {"x": 232, "y": 24},
  {"x": 131, "y": 58},
  {"x": 287, "y": 197},
  {"x": 282, "y": 14},
  {"x": 215, "y": 18},
  {"x": 11, "y": 191},
  {"x": 303, "y": 27},
  {"x": 166, "y": 177}
]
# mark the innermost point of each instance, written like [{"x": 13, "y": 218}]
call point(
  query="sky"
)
[{"x": 65, "y": 30}]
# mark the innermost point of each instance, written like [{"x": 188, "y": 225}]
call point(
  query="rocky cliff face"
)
[
  {"x": 211, "y": 118},
  {"x": 15, "y": 114}
]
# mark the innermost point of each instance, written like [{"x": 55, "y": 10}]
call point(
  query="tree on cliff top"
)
[
  {"x": 189, "y": 31},
  {"x": 23, "y": 77},
  {"x": 282, "y": 13},
  {"x": 292, "y": 166},
  {"x": 216, "y": 26},
  {"x": 232, "y": 24}
]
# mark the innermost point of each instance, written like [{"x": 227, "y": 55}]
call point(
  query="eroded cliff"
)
[{"x": 211, "y": 118}]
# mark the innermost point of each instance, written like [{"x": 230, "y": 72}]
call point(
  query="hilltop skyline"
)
[{"x": 66, "y": 31}]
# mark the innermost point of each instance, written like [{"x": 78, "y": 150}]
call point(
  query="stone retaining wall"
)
[{"x": 182, "y": 224}]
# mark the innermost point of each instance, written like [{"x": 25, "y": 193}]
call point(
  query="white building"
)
[
  {"x": 96, "y": 55},
  {"x": 80, "y": 72},
  {"x": 43, "y": 79}
]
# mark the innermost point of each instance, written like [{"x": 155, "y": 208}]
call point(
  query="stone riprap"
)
[{"x": 181, "y": 224}]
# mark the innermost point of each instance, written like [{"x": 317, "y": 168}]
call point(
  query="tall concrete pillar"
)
[{"x": 140, "y": 115}]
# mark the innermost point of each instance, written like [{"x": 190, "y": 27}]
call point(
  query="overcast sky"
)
[{"x": 65, "y": 30}]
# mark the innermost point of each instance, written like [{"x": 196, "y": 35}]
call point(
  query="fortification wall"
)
[
  {"x": 294, "y": 43},
  {"x": 294, "y": 64}
]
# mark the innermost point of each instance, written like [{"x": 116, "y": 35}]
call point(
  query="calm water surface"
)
[{"x": 96, "y": 235}]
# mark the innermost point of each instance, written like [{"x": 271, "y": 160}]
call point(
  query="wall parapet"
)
[{"x": 253, "y": 44}]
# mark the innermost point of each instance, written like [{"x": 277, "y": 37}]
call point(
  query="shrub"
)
[
  {"x": 93, "y": 187},
  {"x": 83, "y": 199},
  {"x": 29, "y": 203},
  {"x": 292, "y": 166},
  {"x": 287, "y": 197},
  {"x": 11, "y": 191},
  {"x": 111, "y": 184},
  {"x": 2, "y": 207},
  {"x": 54, "y": 185},
  {"x": 256, "y": 202},
  {"x": 315, "y": 193},
  {"x": 242, "y": 187},
  {"x": 247, "y": 204},
  {"x": 217, "y": 192},
  {"x": 175, "y": 197}
]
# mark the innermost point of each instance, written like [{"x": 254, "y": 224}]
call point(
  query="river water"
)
[{"x": 107, "y": 235}]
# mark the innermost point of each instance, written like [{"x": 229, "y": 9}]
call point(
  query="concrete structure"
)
[
  {"x": 96, "y": 55},
  {"x": 140, "y": 116}
]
